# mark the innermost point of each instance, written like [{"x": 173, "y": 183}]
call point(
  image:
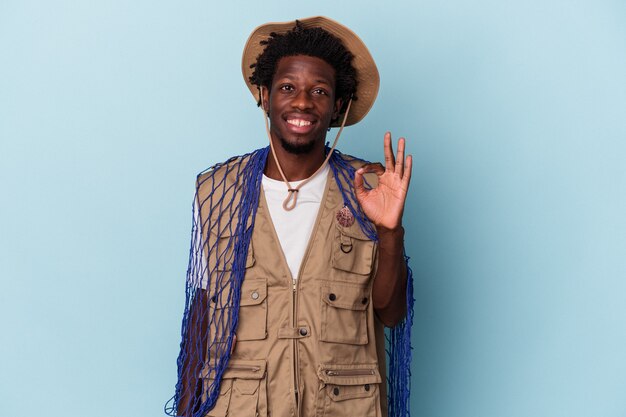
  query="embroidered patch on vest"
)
[{"x": 345, "y": 217}]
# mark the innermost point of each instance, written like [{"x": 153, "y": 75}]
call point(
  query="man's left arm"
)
[
  {"x": 384, "y": 206},
  {"x": 389, "y": 291}
]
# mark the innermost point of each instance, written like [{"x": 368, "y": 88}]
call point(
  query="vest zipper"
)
[
  {"x": 323, "y": 206},
  {"x": 294, "y": 282},
  {"x": 296, "y": 375},
  {"x": 349, "y": 372}
]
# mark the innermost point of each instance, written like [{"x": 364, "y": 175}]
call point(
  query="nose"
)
[{"x": 302, "y": 100}]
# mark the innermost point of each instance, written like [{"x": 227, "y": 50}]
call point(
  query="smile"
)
[{"x": 299, "y": 122}]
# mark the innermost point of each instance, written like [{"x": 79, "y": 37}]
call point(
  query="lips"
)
[{"x": 300, "y": 124}]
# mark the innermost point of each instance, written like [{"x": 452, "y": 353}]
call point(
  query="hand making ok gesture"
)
[{"x": 384, "y": 204}]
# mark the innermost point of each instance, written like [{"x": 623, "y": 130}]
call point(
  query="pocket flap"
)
[
  {"x": 337, "y": 374},
  {"x": 253, "y": 292},
  {"x": 353, "y": 231},
  {"x": 222, "y": 250},
  {"x": 346, "y": 296},
  {"x": 353, "y": 251}
]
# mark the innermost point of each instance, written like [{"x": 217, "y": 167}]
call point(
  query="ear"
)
[
  {"x": 265, "y": 99},
  {"x": 338, "y": 104}
]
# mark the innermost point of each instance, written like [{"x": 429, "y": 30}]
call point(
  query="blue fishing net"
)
[{"x": 217, "y": 262}]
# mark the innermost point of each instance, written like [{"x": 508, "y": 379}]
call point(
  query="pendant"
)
[{"x": 345, "y": 217}]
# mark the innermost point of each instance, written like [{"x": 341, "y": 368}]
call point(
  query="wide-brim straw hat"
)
[{"x": 366, "y": 71}]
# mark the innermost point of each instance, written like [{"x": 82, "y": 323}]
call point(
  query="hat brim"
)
[{"x": 368, "y": 79}]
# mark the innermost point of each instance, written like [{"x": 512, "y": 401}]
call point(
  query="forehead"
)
[{"x": 305, "y": 67}]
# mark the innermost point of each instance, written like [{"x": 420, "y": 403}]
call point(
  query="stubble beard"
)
[{"x": 296, "y": 149}]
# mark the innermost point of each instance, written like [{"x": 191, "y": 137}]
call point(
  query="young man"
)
[{"x": 296, "y": 261}]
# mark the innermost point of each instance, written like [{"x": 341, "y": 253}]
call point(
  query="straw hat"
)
[{"x": 366, "y": 71}]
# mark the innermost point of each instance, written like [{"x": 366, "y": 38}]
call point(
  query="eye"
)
[
  {"x": 320, "y": 91},
  {"x": 286, "y": 87}
]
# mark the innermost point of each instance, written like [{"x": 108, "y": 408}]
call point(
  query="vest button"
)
[
  {"x": 367, "y": 387},
  {"x": 364, "y": 300},
  {"x": 303, "y": 331},
  {"x": 332, "y": 297},
  {"x": 255, "y": 295},
  {"x": 336, "y": 391}
]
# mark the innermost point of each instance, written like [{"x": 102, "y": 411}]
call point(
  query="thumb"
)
[{"x": 359, "y": 189}]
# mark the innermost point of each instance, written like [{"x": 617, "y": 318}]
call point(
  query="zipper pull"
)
[{"x": 294, "y": 282}]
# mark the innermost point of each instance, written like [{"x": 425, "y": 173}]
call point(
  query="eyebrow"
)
[{"x": 318, "y": 80}]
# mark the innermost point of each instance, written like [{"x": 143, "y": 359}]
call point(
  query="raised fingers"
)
[
  {"x": 400, "y": 157},
  {"x": 406, "y": 179},
  {"x": 389, "y": 159}
]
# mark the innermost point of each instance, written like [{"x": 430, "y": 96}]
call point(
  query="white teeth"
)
[{"x": 298, "y": 122}]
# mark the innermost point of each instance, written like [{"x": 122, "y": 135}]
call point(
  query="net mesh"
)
[{"x": 222, "y": 227}]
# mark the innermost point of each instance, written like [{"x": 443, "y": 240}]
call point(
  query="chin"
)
[{"x": 297, "y": 148}]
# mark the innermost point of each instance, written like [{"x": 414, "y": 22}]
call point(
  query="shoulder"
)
[
  {"x": 219, "y": 188},
  {"x": 353, "y": 163},
  {"x": 220, "y": 171},
  {"x": 225, "y": 175}
]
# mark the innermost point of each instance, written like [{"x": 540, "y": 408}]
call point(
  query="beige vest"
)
[{"x": 311, "y": 346}]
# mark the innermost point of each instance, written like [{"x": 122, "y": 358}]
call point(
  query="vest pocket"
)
[
  {"x": 344, "y": 313},
  {"x": 353, "y": 252},
  {"x": 252, "y": 320},
  {"x": 243, "y": 392},
  {"x": 223, "y": 254},
  {"x": 349, "y": 390},
  {"x": 221, "y": 406},
  {"x": 252, "y": 323}
]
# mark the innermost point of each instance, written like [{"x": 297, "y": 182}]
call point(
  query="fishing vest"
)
[{"x": 306, "y": 347}]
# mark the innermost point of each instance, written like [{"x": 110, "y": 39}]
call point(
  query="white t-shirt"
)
[{"x": 294, "y": 227}]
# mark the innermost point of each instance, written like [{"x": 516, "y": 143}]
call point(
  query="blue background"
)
[{"x": 514, "y": 112}]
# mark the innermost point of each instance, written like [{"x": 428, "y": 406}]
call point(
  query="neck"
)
[{"x": 295, "y": 166}]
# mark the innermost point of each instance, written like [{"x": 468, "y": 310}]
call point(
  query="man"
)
[{"x": 296, "y": 261}]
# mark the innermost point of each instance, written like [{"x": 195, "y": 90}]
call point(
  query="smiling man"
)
[{"x": 297, "y": 258}]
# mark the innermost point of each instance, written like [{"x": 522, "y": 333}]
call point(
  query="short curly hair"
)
[{"x": 315, "y": 42}]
